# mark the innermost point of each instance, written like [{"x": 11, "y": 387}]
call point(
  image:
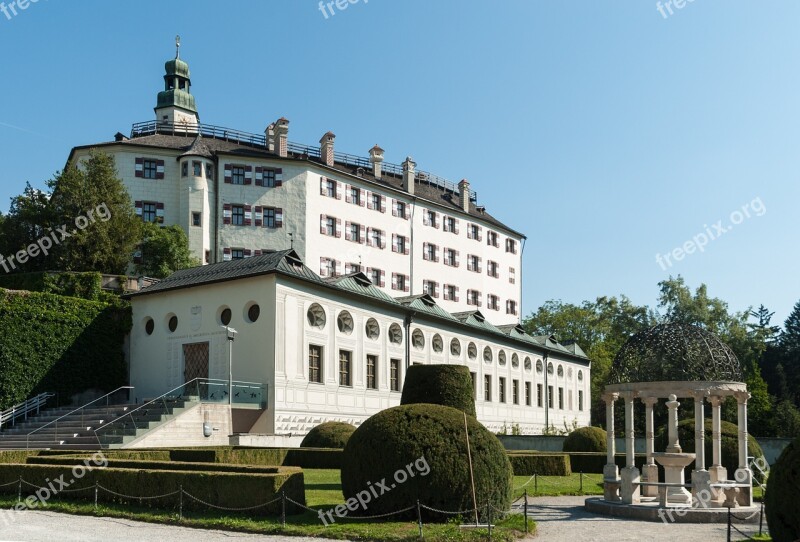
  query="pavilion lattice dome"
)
[{"x": 675, "y": 352}]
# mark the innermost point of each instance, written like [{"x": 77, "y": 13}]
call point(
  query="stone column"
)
[
  {"x": 650, "y": 469},
  {"x": 743, "y": 474},
  {"x": 701, "y": 478},
  {"x": 630, "y": 489},
  {"x": 610, "y": 472},
  {"x": 718, "y": 472}
]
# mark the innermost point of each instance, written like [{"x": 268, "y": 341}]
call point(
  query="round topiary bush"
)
[
  {"x": 730, "y": 443},
  {"x": 328, "y": 435},
  {"x": 448, "y": 385},
  {"x": 413, "y": 452},
  {"x": 780, "y": 500},
  {"x": 586, "y": 439}
]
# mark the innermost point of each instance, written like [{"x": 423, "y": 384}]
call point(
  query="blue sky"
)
[{"x": 605, "y": 131}]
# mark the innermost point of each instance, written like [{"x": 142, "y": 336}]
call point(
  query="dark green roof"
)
[
  {"x": 426, "y": 304},
  {"x": 360, "y": 284}
]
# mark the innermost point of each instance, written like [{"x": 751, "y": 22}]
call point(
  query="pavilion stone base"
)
[
  {"x": 611, "y": 483},
  {"x": 718, "y": 474},
  {"x": 745, "y": 494},
  {"x": 630, "y": 491},
  {"x": 701, "y": 488},
  {"x": 650, "y": 474},
  {"x": 671, "y": 514}
]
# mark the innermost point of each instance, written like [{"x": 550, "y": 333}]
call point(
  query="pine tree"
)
[{"x": 790, "y": 338}]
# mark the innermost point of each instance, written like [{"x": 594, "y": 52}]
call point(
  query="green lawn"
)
[{"x": 323, "y": 491}]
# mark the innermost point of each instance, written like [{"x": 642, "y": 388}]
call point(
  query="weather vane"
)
[{"x": 177, "y": 46}]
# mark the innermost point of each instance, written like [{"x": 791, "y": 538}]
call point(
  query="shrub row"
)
[
  {"x": 527, "y": 464},
  {"x": 228, "y": 489},
  {"x": 157, "y": 465},
  {"x": 307, "y": 458},
  {"x": 59, "y": 344}
]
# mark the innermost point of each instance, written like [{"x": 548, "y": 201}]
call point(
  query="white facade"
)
[
  {"x": 276, "y": 350},
  {"x": 237, "y": 195}
]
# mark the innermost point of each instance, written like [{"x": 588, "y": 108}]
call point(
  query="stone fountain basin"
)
[{"x": 674, "y": 459}]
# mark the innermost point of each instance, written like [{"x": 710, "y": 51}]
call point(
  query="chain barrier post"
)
[
  {"x": 761, "y": 515},
  {"x": 283, "y": 508},
  {"x": 19, "y": 491},
  {"x": 526, "y": 511},
  {"x": 729, "y": 524},
  {"x": 95, "y": 494},
  {"x": 535, "y": 483},
  {"x": 419, "y": 519},
  {"x": 180, "y": 504},
  {"x": 581, "y": 482},
  {"x": 489, "y": 518}
]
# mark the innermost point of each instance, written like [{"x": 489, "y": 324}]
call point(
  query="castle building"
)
[{"x": 338, "y": 273}]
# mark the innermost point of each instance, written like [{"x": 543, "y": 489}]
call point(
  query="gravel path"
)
[{"x": 564, "y": 519}]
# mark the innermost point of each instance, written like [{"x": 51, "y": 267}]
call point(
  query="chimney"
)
[
  {"x": 409, "y": 167},
  {"x": 269, "y": 137},
  {"x": 326, "y": 148},
  {"x": 281, "y": 137},
  {"x": 376, "y": 157},
  {"x": 463, "y": 194}
]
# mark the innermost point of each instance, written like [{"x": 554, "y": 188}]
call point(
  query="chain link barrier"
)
[{"x": 231, "y": 509}]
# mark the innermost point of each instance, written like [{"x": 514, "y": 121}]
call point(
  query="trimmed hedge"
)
[
  {"x": 586, "y": 439},
  {"x": 158, "y": 465},
  {"x": 328, "y": 435},
  {"x": 430, "y": 442},
  {"x": 448, "y": 385},
  {"x": 229, "y": 489},
  {"x": 780, "y": 499},
  {"x": 540, "y": 464},
  {"x": 59, "y": 344},
  {"x": 86, "y": 285}
]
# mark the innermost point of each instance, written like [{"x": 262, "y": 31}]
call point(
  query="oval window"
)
[
  {"x": 372, "y": 329},
  {"x": 487, "y": 355},
  {"x": 437, "y": 343},
  {"x": 253, "y": 312},
  {"x": 418, "y": 339},
  {"x": 225, "y": 316},
  {"x": 472, "y": 351},
  {"x": 173, "y": 323},
  {"x": 345, "y": 322},
  {"x": 455, "y": 348},
  {"x": 501, "y": 357},
  {"x": 395, "y": 334},
  {"x": 149, "y": 326}
]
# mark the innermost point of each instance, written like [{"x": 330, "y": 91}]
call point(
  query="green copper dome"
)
[
  {"x": 176, "y": 66},
  {"x": 177, "y": 86}
]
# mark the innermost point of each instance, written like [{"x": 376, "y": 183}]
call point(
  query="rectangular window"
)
[
  {"x": 539, "y": 400},
  {"x": 473, "y": 263},
  {"x": 450, "y": 224},
  {"x": 345, "y": 364},
  {"x": 493, "y": 269},
  {"x": 237, "y": 214},
  {"x": 197, "y": 169},
  {"x": 197, "y": 219},
  {"x": 331, "y": 187},
  {"x": 376, "y": 238},
  {"x": 511, "y": 307},
  {"x": 431, "y": 288},
  {"x": 512, "y": 275},
  {"x": 450, "y": 257},
  {"x": 474, "y": 298},
  {"x": 375, "y": 276},
  {"x": 450, "y": 292},
  {"x": 400, "y": 209},
  {"x": 149, "y": 212},
  {"x": 550, "y": 396},
  {"x": 237, "y": 175},
  {"x": 511, "y": 246},
  {"x": 502, "y": 390},
  {"x": 150, "y": 169},
  {"x": 527, "y": 394},
  {"x": 315, "y": 363},
  {"x": 376, "y": 202},
  {"x": 209, "y": 171},
  {"x": 400, "y": 244},
  {"x": 355, "y": 232},
  {"x": 430, "y": 252},
  {"x": 493, "y": 302},
  {"x": 400, "y": 282},
  {"x": 330, "y": 226},
  {"x": 474, "y": 232},
  {"x": 185, "y": 169},
  {"x": 492, "y": 239},
  {"x": 515, "y": 392},
  {"x": 355, "y": 195},
  {"x": 487, "y": 388},
  {"x": 237, "y": 254},
  {"x": 268, "y": 178},
  {"x": 580, "y": 400},
  {"x": 269, "y": 217},
  {"x": 394, "y": 374},
  {"x": 561, "y": 398},
  {"x": 329, "y": 266},
  {"x": 372, "y": 368},
  {"x": 431, "y": 219}
]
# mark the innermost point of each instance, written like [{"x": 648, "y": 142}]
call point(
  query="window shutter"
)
[
  {"x": 394, "y": 207},
  {"x": 257, "y": 252},
  {"x": 383, "y": 204},
  {"x": 436, "y": 220},
  {"x": 278, "y": 177},
  {"x": 456, "y": 226},
  {"x": 408, "y": 248},
  {"x": 394, "y": 242},
  {"x": 139, "y": 170},
  {"x": 408, "y": 211},
  {"x": 226, "y": 255},
  {"x": 259, "y": 177},
  {"x": 248, "y": 253},
  {"x": 347, "y": 235},
  {"x": 458, "y": 259},
  {"x": 339, "y": 190},
  {"x": 248, "y": 215},
  {"x": 278, "y": 217},
  {"x": 339, "y": 227},
  {"x": 369, "y": 201},
  {"x": 382, "y": 239},
  {"x": 160, "y": 213},
  {"x": 323, "y": 224},
  {"x": 363, "y": 234},
  {"x": 248, "y": 175},
  {"x": 407, "y": 285},
  {"x": 456, "y": 297},
  {"x": 469, "y": 232},
  {"x": 435, "y": 254},
  {"x": 394, "y": 281},
  {"x": 363, "y": 198},
  {"x": 383, "y": 279},
  {"x": 425, "y": 221},
  {"x": 160, "y": 169},
  {"x": 323, "y": 186},
  {"x": 480, "y": 234},
  {"x": 226, "y": 213},
  {"x": 424, "y": 251},
  {"x": 228, "y": 173},
  {"x": 323, "y": 267},
  {"x": 347, "y": 269},
  {"x": 436, "y": 290},
  {"x": 347, "y": 197},
  {"x": 259, "y": 214},
  {"x": 138, "y": 206}
]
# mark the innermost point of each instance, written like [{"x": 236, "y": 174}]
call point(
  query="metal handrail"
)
[
  {"x": 151, "y": 127},
  {"x": 162, "y": 399},
  {"x": 106, "y": 396},
  {"x": 24, "y": 408}
]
